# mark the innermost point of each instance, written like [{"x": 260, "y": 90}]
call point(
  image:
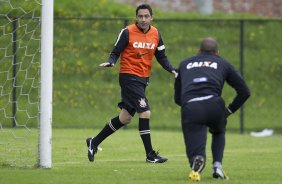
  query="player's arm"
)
[
  {"x": 235, "y": 80},
  {"x": 121, "y": 43},
  {"x": 177, "y": 89},
  {"x": 162, "y": 58}
]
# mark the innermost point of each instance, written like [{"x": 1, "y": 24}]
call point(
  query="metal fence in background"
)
[{"x": 252, "y": 46}]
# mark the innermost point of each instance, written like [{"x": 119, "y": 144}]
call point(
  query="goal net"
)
[{"x": 20, "y": 82}]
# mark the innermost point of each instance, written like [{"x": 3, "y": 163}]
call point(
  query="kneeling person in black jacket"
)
[{"x": 198, "y": 89}]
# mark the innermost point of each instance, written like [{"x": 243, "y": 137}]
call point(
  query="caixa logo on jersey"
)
[
  {"x": 143, "y": 45},
  {"x": 202, "y": 64}
]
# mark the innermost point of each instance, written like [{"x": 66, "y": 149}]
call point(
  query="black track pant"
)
[{"x": 196, "y": 117}]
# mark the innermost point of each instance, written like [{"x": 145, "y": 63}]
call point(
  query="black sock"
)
[
  {"x": 112, "y": 126},
  {"x": 144, "y": 130}
]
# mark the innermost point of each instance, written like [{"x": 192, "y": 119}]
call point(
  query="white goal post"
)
[
  {"x": 26, "y": 83},
  {"x": 45, "y": 132}
]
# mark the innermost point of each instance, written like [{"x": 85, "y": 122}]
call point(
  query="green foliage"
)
[
  {"x": 91, "y": 93},
  {"x": 101, "y": 8},
  {"x": 20, "y": 8},
  {"x": 122, "y": 160},
  {"x": 110, "y": 8},
  {"x": 19, "y": 62},
  {"x": 86, "y": 95}
]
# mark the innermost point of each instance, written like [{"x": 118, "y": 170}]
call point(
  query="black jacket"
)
[{"x": 204, "y": 75}]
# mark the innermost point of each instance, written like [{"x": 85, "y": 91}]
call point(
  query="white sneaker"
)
[
  {"x": 264, "y": 133},
  {"x": 218, "y": 173}
]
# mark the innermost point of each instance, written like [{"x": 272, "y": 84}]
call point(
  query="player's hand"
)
[
  {"x": 106, "y": 64},
  {"x": 175, "y": 73},
  {"x": 227, "y": 112}
]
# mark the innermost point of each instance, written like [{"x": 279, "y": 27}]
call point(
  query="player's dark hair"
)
[
  {"x": 209, "y": 45},
  {"x": 144, "y": 6}
]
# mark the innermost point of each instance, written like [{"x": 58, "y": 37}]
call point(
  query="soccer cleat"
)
[
  {"x": 218, "y": 173},
  {"x": 194, "y": 176},
  {"x": 92, "y": 150},
  {"x": 153, "y": 157},
  {"x": 197, "y": 167}
]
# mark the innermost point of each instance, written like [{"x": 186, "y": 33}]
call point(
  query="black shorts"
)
[
  {"x": 133, "y": 97},
  {"x": 210, "y": 113}
]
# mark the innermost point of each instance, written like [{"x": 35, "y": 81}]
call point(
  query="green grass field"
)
[
  {"x": 247, "y": 160},
  {"x": 85, "y": 96}
]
